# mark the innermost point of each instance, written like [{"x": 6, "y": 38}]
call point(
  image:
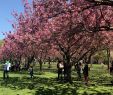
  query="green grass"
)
[
  {"x": 9, "y": 91},
  {"x": 45, "y": 83}
]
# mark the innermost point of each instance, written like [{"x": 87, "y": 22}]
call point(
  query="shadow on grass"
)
[
  {"x": 26, "y": 82},
  {"x": 15, "y": 83},
  {"x": 48, "y": 86}
]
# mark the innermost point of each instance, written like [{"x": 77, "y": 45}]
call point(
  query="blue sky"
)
[{"x": 6, "y": 7}]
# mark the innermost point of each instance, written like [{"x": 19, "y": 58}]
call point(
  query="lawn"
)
[{"x": 45, "y": 83}]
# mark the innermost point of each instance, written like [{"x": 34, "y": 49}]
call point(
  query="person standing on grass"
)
[
  {"x": 85, "y": 73},
  {"x": 60, "y": 67},
  {"x": 6, "y": 68},
  {"x": 102, "y": 65},
  {"x": 111, "y": 70},
  {"x": 78, "y": 69},
  {"x": 4, "y": 71},
  {"x": 31, "y": 71}
]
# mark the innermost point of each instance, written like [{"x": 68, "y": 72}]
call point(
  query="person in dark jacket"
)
[
  {"x": 78, "y": 69},
  {"x": 85, "y": 72},
  {"x": 31, "y": 71},
  {"x": 111, "y": 68}
]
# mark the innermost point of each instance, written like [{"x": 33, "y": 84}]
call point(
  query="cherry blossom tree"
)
[{"x": 74, "y": 30}]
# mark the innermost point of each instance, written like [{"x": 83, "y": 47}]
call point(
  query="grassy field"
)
[{"x": 45, "y": 83}]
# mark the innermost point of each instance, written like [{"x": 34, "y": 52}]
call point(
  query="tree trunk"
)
[
  {"x": 40, "y": 63},
  {"x": 108, "y": 58},
  {"x": 30, "y": 60},
  {"x": 49, "y": 63},
  {"x": 69, "y": 73},
  {"x": 91, "y": 62},
  {"x": 67, "y": 69}
]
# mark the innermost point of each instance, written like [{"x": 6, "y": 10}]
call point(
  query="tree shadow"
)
[
  {"x": 27, "y": 82},
  {"x": 15, "y": 83}
]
